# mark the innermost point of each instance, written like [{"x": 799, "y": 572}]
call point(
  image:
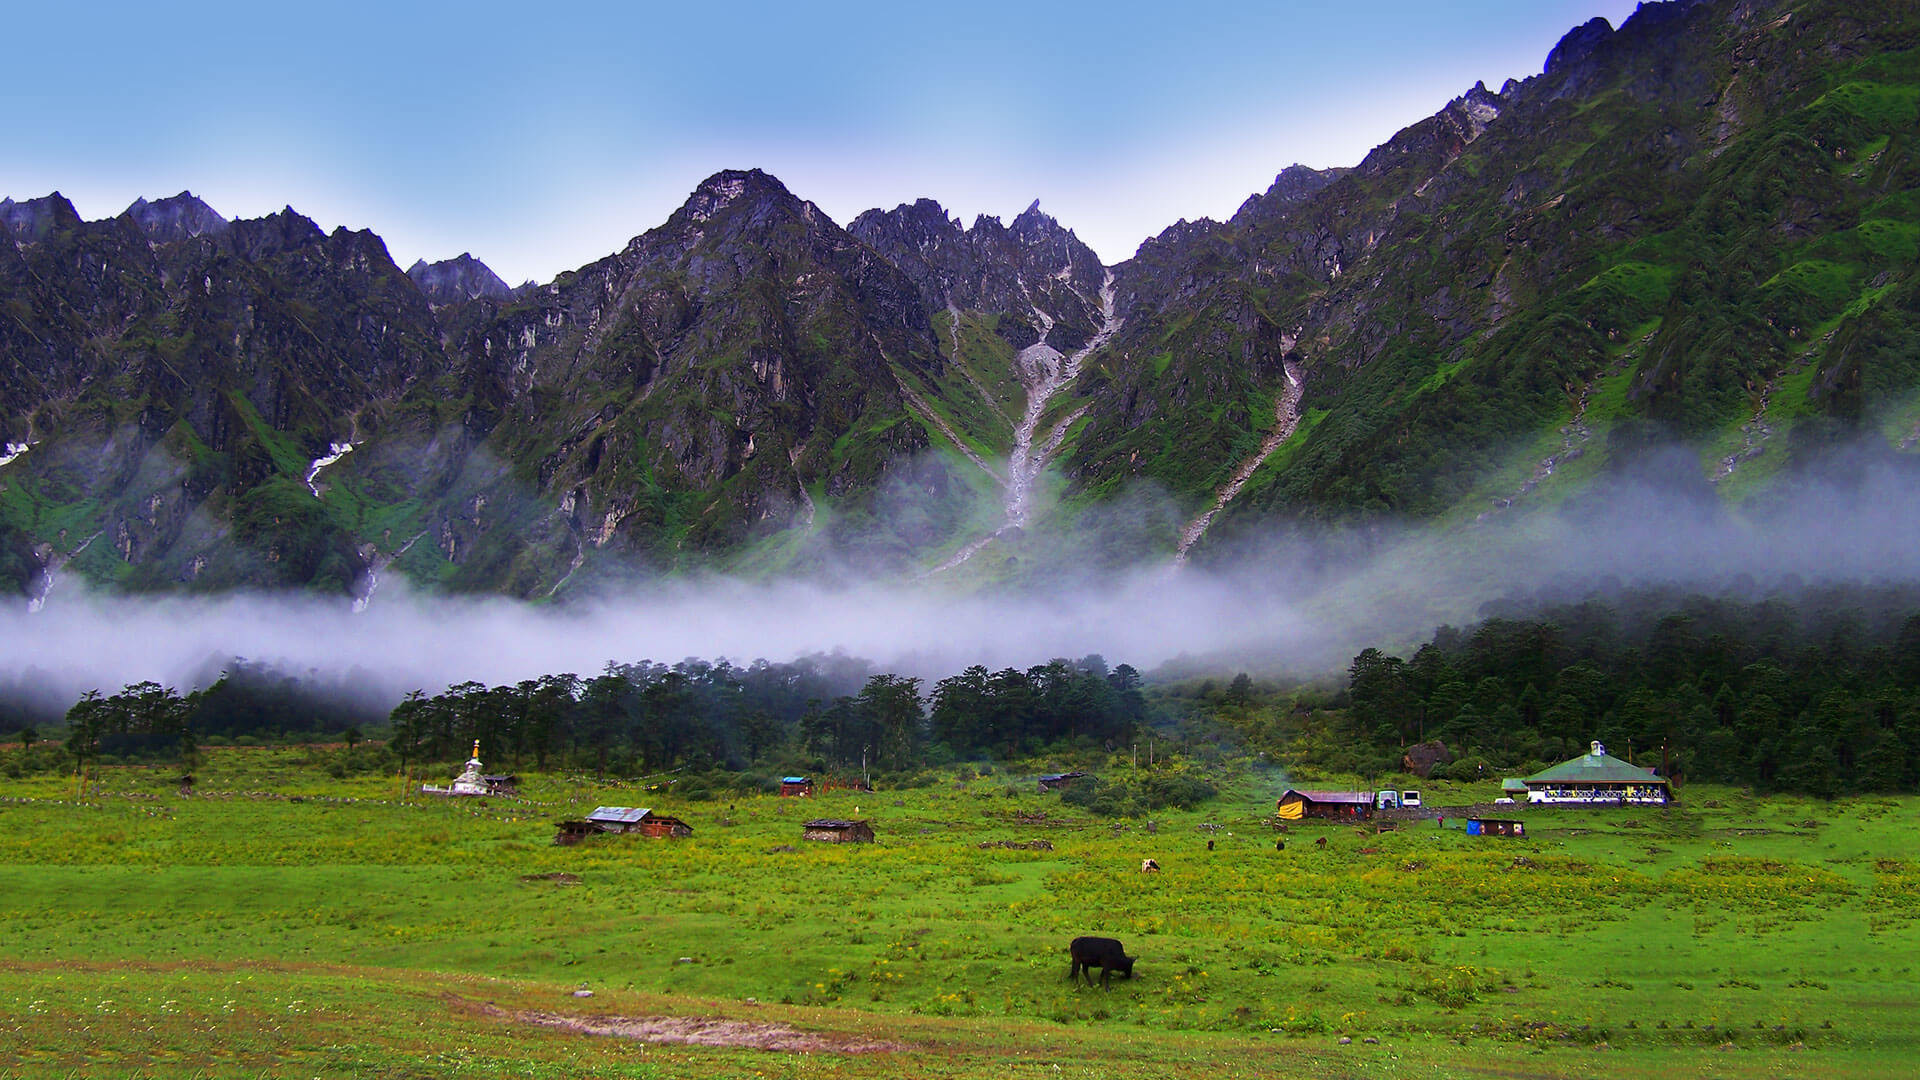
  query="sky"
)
[{"x": 540, "y": 138}]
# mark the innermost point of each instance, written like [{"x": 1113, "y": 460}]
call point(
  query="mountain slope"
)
[
  {"x": 1700, "y": 226},
  {"x": 1675, "y": 222}
]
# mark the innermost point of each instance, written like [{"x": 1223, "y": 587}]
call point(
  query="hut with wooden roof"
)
[
  {"x": 1598, "y": 778},
  {"x": 837, "y": 831},
  {"x": 1295, "y": 804},
  {"x": 620, "y": 820}
]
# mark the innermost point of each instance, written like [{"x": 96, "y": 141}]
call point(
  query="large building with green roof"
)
[{"x": 1597, "y": 777}]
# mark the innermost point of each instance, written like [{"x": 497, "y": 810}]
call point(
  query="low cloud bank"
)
[{"x": 1274, "y": 599}]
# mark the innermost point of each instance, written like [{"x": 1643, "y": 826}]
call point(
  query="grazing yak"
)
[{"x": 1104, "y": 953}]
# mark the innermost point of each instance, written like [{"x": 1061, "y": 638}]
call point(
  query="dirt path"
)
[{"x": 1286, "y": 417}]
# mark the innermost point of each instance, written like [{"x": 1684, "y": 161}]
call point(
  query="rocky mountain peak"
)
[
  {"x": 918, "y": 221},
  {"x": 180, "y": 217},
  {"x": 1294, "y": 184},
  {"x": 1578, "y": 45},
  {"x": 260, "y": 238},
  {"x": 1033, "y": 222},
  {"x": 730, "y": 186},
  {"x": 1480, "y": 106},
  {"x": 453, "y": 281},
  {"x": 30, "y": 220}
]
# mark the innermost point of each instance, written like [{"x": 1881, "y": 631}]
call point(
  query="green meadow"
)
[{"x": 283, "y": 922}]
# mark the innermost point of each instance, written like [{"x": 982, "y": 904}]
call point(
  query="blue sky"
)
[{"x": 541, "y": 138}]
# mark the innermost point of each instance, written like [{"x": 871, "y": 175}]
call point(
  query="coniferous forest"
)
[{"x": 1815, "y": 690}]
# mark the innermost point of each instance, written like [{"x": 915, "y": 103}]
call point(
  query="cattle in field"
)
[
  {"x": 1322, "y": 842},
  {"x": 1104, "y": 953},
  {"x": 1148, "y": 866}
]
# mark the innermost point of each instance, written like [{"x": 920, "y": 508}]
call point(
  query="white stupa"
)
[{"x": 469, "y": 782}]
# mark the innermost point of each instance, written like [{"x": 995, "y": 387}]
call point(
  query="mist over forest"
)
[{"x": 1296, "y": 601}]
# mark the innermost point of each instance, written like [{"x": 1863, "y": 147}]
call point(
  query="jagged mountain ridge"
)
[{"x": 751, "y": 383}]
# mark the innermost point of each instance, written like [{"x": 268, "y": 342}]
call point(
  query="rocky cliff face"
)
[
  {"x": 457, "y": 281},
  {"x": 170, "y": 370},
  {"x": 1034, "y": 276},
  {"x": 181, "y": 217},
  {"x": 698, "y": 387},
  {"x": 1700, "y": 223}
]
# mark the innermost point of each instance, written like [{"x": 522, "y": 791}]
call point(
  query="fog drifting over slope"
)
[{"x": 1271, "y": 600}]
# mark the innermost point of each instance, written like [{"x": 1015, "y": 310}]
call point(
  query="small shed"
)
[
  {"x": 1295, "y": 804},
  {"x": 1059, "y": 781},
  {"x": 836, "y": 831},
  {"x": 796, "y": 786},
  {"x": 1495, "y": 827},
  {"x": 621, "y": 820}
]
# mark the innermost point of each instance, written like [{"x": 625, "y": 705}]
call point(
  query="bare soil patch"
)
[
  {"x": 558, "y": 877},
  {"x": 703, "y": 1031}
]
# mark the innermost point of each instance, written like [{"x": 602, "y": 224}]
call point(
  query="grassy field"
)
[{"x": 281, "y": 922}]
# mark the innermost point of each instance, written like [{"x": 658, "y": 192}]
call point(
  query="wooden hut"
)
[
  {"x": 1295, "y": 804},
  {"x": 1059, "y": 781},
  {"x": 796, "y": 786},
  {"x": 1495, "y": 827},
  {"x": 620, "y": 820},
  {"x": 835, "y": 831}
]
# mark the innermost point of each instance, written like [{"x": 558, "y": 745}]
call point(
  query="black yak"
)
[{"x": 1104, "y": 953}]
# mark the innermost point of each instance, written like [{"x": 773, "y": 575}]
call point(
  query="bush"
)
[
  {"x": 1467, "y": 770},
  {"x": 1159, "y": 791}
]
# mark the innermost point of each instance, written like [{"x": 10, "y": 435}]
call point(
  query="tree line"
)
[
  {"x": 833, "y": 713},
  {"x": 1817, "y": 692},
  {"x": 827, "y": 712}
]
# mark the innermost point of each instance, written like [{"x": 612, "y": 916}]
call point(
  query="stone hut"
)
[{"x": 835, "y": 831}]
